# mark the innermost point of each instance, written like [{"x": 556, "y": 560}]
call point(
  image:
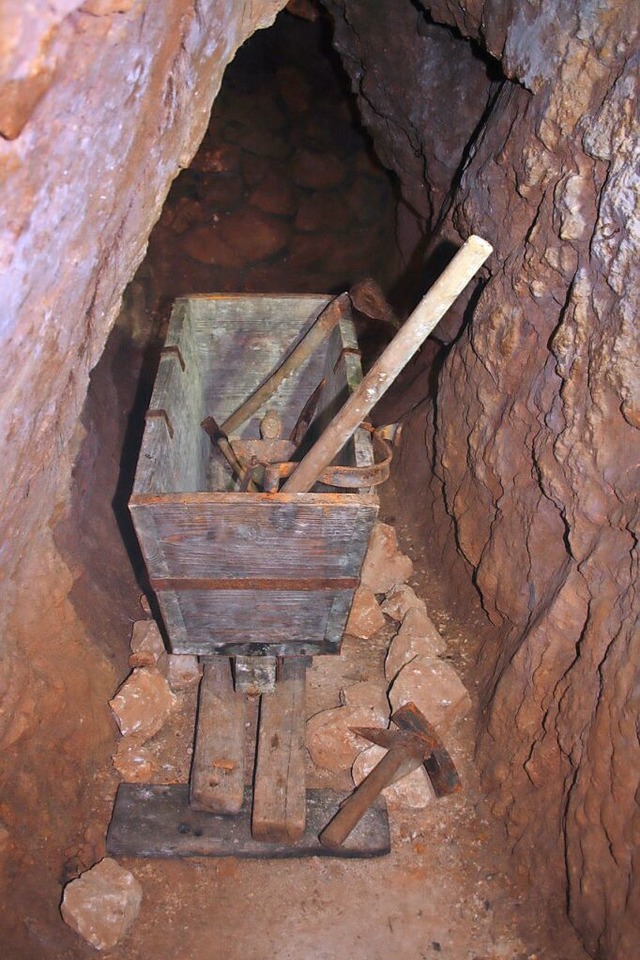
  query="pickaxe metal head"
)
[
  {"x": 414, "y": 743},
  {"x": 419, "y": 739}
]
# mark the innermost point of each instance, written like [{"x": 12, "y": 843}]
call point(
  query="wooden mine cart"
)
[
  {"x": 255, "y": 563},
  {"x": 254, "y": 583}
]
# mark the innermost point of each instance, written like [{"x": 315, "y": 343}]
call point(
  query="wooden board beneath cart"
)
[{"x": 157, "y": 821}]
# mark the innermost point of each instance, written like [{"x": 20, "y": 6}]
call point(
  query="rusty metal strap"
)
[
  {"x": 354, "y": 478},
  {"x": 254, "y": 583}
]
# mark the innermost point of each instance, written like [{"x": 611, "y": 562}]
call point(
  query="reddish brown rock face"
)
[
  {"x": 536, "y": 434},
  {"x": 534, "y": 440}
]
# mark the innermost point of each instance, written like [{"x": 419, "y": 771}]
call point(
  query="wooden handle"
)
[
  {"x": 404, "y": 345},
  {"x": 354, "y": 807}
]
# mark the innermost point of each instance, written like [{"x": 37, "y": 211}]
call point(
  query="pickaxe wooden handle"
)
[
  {"x": 396, "y": 763},
  {"x": 382, "y": 374}
]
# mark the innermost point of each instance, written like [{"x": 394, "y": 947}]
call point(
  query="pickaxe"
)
[{"x": 414, "y": 743}]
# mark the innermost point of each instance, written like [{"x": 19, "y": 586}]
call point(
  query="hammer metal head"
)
[{"x": 419, "y": 738}]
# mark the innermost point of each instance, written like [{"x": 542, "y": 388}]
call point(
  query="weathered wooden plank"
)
[
  {"x": 258, "y": 538},
  {"x": 295, "y": 621},
  {"x": 217, "y": 771},
  {"x": 242, "y": 341},
  {"x": 156, "y": 821},
  {"x": 279, "y": 799},
  {"x": 254, "y": 675},
  {"x": 175, "y": 452}
]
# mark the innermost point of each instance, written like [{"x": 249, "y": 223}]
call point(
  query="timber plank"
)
[
  {"x": 156, "y": 821},
  {"x": 279, "y": 799},
  {"x": 217, "y": 772},
  {"x": 257, "y": 538}
]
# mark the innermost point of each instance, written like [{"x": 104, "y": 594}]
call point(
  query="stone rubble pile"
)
[
  {"x": 147, "y": 698},
  {"x": 414, "y": 671}
]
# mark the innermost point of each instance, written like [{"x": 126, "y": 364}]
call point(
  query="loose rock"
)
[
  {"x": 399, "y": 600},
  {"x": 413, "y": 791},
  {"x": 143, "y": 703},
  {"x": 417, "y": 637},
  {"x": 365, "y": 618},
  {"x": 330, "y": 740},
  {"x": 434, "y": 687},
  {"x": 181, "y": 670},
  {"x": 146, "y": 635},
  {"x": 102, "y": 904},
  {"x": 132, "y": 761},
  {"x": 366, "y": 693},
  {"x": 384, "y": 565}
]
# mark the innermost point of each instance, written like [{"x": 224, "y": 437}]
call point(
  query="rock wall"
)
[
  {"x": 102, "y": 102},
  {"x": 534, "y": 436}
]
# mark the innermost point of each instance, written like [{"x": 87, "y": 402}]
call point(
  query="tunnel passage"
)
[{"x": 528, "y": 450}]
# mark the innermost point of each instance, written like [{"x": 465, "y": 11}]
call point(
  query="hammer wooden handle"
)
[
  {"x": 390, "y": 768},
  {"x": 404, "y": 345}
]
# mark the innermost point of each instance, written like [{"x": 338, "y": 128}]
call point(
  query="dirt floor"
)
[{"x": 447, "y": 889}]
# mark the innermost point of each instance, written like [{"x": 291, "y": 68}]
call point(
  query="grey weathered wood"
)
[
  {"x": 156, "y": 821},
  {"x": 295, "y": 359},
  {"x": 217, "y": 771},
  {"x": 279, "y": 800},
  {"x": 260, "y": 622},
  {"x": 243, "y": 573},
  {"x": 242, "y": 341},
  {"x": 254, "y": 675},
  {"x": 239, "y": 535}
]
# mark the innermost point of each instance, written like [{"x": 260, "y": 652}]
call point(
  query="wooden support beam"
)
[
  {"x": 217, "y": 772},
  {"x": 279, "y": 794}
]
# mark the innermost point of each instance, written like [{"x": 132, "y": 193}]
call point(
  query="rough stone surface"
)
[
  {"x": 182, "y": 670},
  {"x": 535, "y": 433},
  {"x": 102, "y": 904},
  {"x": 430, "y": 137},
  {"x": 330, "y": 741},
  {"x": 384, "y": 565},
  {"x": 412, "y": 791},
  {"x": 132, "y": 761},
  {"x": 401, "y": 599},
  {"x": 366, "y": 693},
  {"x": 365, "y": 616},
  {"x": 139, "y": 86},
  {"x": 435, "y": 688},
  {"x": 143, "y": 703},
  {"x": 417, "y": 637},
  {"x": 147, "y": 639}
]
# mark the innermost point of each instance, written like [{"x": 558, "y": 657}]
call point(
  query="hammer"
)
[{"x": 414, "y": 743}]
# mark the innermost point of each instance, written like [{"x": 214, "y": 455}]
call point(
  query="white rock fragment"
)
[
  {"x": 133, "y": 762},
  {"x": 384, "y": 565},
  {"x": 102, "y": 904},
  {"x": 368, "y": 694},
  {"x": 365, "y": 617},
  {"x": 143, "y": 703},
  {"x": 435, "y": 688},
  {"x": 401, "y": 599},
  {"x": 413, "y": 791},
  {"x": 147, "y": 645},
  {"x": 330, "y": 740},
  {"x": 144, "y": 603},
  {"x": 181, "y": 670},
  {"x": 417, "y": 637}
]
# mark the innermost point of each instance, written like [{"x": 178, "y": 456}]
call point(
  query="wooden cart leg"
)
[
  {"x": 255, "y": 675},
  {"x": 217, "y": 772},
  {"x": 279, "y": 793}
]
